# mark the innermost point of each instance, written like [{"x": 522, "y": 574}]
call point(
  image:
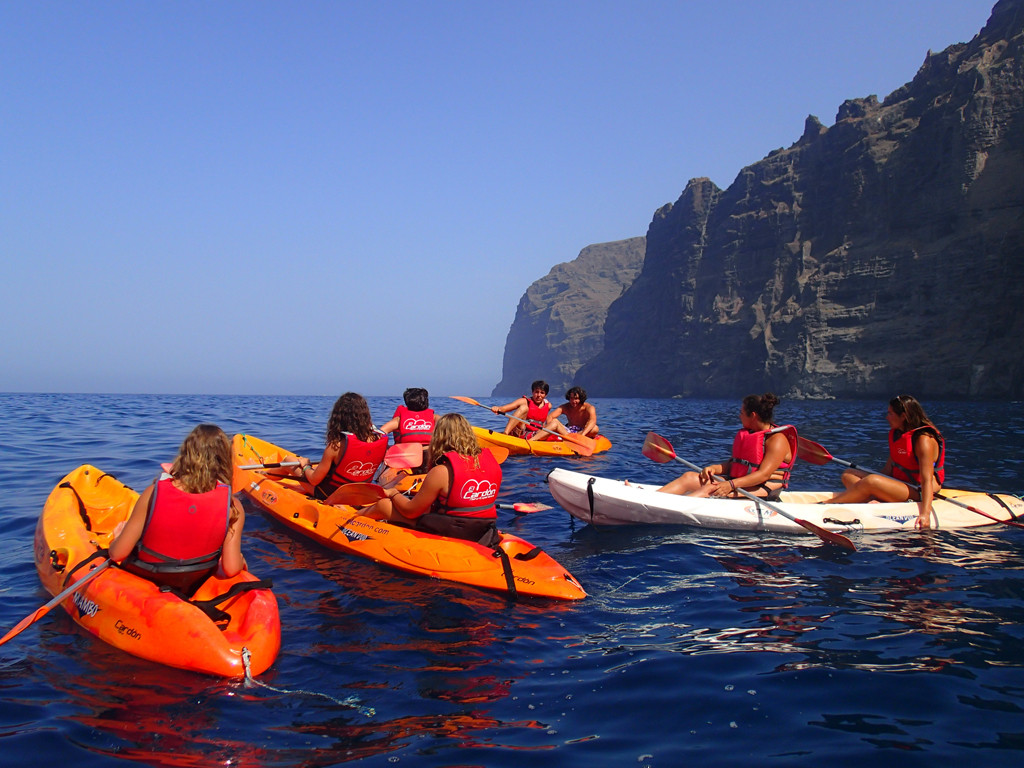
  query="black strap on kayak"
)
[
  {"x": 590, "y": 496},
  {"x": 1003, "y": 504},
  {"x": 210, "y": 607},
  {"x": 506, "y": 567},
  {"x": 97, "y": 554},
  {"x": 529, "y": 555},
  {"x": 834, "y": 521},
  {"x": 81, "y": 506}
]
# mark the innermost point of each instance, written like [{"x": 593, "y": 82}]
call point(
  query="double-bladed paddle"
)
[
  {"x": 579, "y": 443},
  {"x": 658, "y": 449},
  {"x": 814, "y": 453},
  {"x": 38, "y": 613}
]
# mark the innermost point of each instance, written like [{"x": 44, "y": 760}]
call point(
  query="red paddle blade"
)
[
  {"x": 525, "y": 508},
  {"x": 811, "y": 452},
  {"x": 469, "y": 400},
  {"x": 500, "y": 453},
  {"x": 404, "y": 455},
  {"x": 657, "y": 448},
  {"x": 357, "y": 494}
]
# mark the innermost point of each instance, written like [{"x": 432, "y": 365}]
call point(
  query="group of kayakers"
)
[
  {"x": 186, "y": 524},
  {"x": 763, "y": 455}
]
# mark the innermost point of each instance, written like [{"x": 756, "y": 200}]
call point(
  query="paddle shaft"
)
[
  {"x": 38, "y": 613},
  {"x": 823, "y": 534}
]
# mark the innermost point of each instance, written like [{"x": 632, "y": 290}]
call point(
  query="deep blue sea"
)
[{"x": 693, "y": 647}]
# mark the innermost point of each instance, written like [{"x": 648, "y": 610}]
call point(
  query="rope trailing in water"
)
[{"x": 352, "y": 701}]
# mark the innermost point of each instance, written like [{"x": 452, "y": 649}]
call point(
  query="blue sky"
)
[{"x": 314, "y": 197}]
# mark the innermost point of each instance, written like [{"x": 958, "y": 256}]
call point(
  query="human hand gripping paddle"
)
[
  {"x": 814, "y": 453},
  {"x": 658, "y": 449},
  {"x": 579, "y": 443},
  {"x": 38, "y": 613}
]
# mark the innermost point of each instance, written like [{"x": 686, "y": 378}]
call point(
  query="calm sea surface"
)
[{"x": 693, "y": 647}]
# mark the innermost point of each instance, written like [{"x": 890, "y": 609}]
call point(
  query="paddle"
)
[
  {"x": 582, "y": 445},
  {"x": 658, "y": 449},
  {"x": 814, "y": 453},
  {"x": 404, "y": 455},
  {"x": 38, "y": 613},
  {"x": 271, "y": 465},
  {"x": 524, "y": 508}
]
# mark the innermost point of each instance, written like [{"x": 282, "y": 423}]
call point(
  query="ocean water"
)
[{"x": 693, "y": 647}]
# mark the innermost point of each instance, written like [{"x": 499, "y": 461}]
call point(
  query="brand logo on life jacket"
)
[
  {"x": 360, "y": 468},
  {"x": 86, "y": 607},
  {"x": 479, "y": 490},
  {"x": 416, "y": 425}
]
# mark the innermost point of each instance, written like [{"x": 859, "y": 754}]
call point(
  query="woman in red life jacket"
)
[
  {"x": 187, "y": 522},
  {"x": 354, "y": 450},
  {"x": 533, "y": 409},
  {"x": 458, "y": 494},
  {"x": 762, "y": 457},
  {"x": 917, "y": 455},
  {"x": 413, "y": 422}
]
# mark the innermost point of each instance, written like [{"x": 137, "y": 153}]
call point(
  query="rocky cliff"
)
[
  {"x": 559, "y": 324},
  {"x": 876, "y": 256}
]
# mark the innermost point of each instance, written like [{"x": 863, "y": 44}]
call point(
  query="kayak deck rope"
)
[{"x": 352, "y": 701}]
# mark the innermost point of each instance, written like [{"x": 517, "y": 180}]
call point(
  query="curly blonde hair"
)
[
  {"x": 452, "y": 433},
  {"x": 203, "y": 460}
]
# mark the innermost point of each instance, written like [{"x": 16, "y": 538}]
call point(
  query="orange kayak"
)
[
  {"x": 521, "y": 446},
  {"x": 519, "y": 568},
  {"x": 131, "y": 613}
]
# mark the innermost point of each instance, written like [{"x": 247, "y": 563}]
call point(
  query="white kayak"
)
[{"x": 601, "y": 501}]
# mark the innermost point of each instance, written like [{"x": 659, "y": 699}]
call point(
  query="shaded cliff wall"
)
[
  {"x": 559, "y": 324},
  {"x": 879, "y": 255}
]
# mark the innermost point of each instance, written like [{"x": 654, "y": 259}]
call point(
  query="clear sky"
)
[{"x": 314, "y": 197}]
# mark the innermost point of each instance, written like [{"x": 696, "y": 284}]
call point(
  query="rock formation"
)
[
  {"x": 559, "y": 324},
  {"x": 877, "y": 256}
]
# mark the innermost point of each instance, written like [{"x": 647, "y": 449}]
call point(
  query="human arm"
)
[
  {"x": 125, "y": 541},
  {"x": 776, "y": 451},
  {"x": 926, "y": 449},
  {"x": 232, "y": 562},
  {"x": 390, "y": 425},
  {"x": 315, "y": 475},
  {"x": 517, "y": 403},
  {"x": 435, "y": 483}
]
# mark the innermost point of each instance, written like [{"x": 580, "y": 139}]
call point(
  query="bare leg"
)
[
  {"x": 878, "y": 487},
  {"x": 684, "y": 484},
  {"x": 514, "y": 427}
]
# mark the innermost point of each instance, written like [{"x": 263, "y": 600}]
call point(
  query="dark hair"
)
[
  {"x": 577, "y": 391},
  {"x": 350, "y": 414},
  {"x": 540, "y": 384},
  {"x": 416, "y": 399},
  {"x": 907, "y": 405},
  {"x": 762, "y": 406}
]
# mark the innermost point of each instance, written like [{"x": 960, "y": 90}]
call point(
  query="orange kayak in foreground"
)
[
  {"x": 516, "y": 567},
  {"x": 131, "y": 613},
  {"x": 522, "y": 446}
]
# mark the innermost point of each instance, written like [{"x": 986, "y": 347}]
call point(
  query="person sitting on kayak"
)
[
  {"x": 581, "y": 416},
  {"x": 459, "y": 493},
  {"x": 355, "y": 449},
  {"x": 413, "y": 422},
  {"x": 186, "y": 523},
  {"x": 533, "y": 409},
  {"x": 916, "y": 465},
  {"x": 762, "y": 457}
]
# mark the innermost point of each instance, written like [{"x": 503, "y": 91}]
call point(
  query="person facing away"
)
[
  {"x": 533, "y": 410},
  {"x": 580, "y": 416},
  {"x": 459, "y": 493},
  {"x": 413, "y": 422},
  {"x": 186, "y": 523},
  {"x": 354, "y": 449},
  {"x": 762, "y": 457},
  {"x": 916, "y": 468}
]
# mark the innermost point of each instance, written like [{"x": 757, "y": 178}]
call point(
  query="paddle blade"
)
[
  {"x": 271, "y": 465},
  {"x": 357, "y": 494},
  {"x": 812, "y": 452},
  {"x": 469, "y": 400},
  {"x": 829, "y": 537},
  {"x": 582, "y": 445},
  {"x": 657, "y": 448},
  {"x": 500, "y": 453},
  {"x": 404, "y": 455},
  {"x": 525, "y": 508}
]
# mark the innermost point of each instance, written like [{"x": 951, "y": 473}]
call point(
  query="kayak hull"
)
[
  {"x": 615, "y": 503},
  {"x": 520, "y": 446},
  {"x": 130, "y": 612},
  {"x": 342, "y": 528}
]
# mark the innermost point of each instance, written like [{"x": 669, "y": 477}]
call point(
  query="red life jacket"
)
[
  {"x": 904, "y": 461},
  {"x": 537, "y": 415},
  {"x": 414, "y": 426},
  {"x": 358, "y": 461},
  {"x": 748, "y": 453},
  {"x": 184, "y": 532},
  {"x": 472, "y": 491}
]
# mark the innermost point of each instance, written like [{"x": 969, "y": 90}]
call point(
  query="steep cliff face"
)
[
  {"x": 878, "y": 255},
  {"x": 559, "y": 324}
]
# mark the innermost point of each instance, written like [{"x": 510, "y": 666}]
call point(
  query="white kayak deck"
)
[{"x": 603, "y": 501}]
